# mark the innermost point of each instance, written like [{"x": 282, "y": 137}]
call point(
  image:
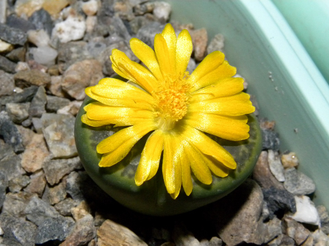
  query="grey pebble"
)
[
  {"x": 7, "y": 65},
  {"x": 12, "y": 35},
  {"x": 298, "y": 183}
]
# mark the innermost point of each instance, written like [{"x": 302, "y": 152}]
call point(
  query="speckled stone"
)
[
  {"x": 298, "y": 183},
  {"x": 26, "y": 78},
  {"x": 12, "y": 35}
]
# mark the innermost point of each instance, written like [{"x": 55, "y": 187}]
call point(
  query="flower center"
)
[{"x": 172, "y": 99}]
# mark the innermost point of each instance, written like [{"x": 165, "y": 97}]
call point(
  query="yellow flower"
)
[{"x": 175, "y": 107}]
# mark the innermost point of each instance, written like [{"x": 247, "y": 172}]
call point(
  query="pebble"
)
[
  {"x": 64, "y": 207},
  {"x": 42, "y": 20},
  {"x": 270, "y": 139},
  {"x": 229, "y": 219},
  {"x": 55, "y": 194},
  {"x": 17, "y": 54},
  {"x": 55, "y": 103},
  {"x": 296, "y": 230},
  {"x": 182, "y": 236},
  {"x": 298, "y": 183},
  {"x": 3, "y": 8},
  {"x": 199, "y": 39},
  {"x": 216, "y": 43},
  {"x": 3, "y": 188},
  {"x": 306, "y": 211},
  {"x": 111, "y": 233},
  {"x": 27, "y": 7},
  {"x": 7, "y": 83},
  {"x": 123, "y": 10},
  {"x": 147, "y": 33},
  {"x": 39, "y": 38},
  {"x": 81, "y": 75},
  {"x": 276, "y": 166},
  {"x": 73, "y": 28},
  {"x": 12, "y": 35},
  {"x": 9, "y": 133},
  {"x": 26, "y": 78},
  {"x": 18, "y": 112},
  {"x": 90, "y": 8},
  {"x": 71, "y": 109},
  {"x": 38, "y": 103},
  {"x": 37, "y": 183},
  {"x": 5, "y": 47},
  {"x": 24, "y": 25},
  {"x": 18, "y": 183},
  {"x": 58, "y": 132},
  {"x": 35, "y": 154},
  {"x": 55, "y": 86},
  {"x": 53, "y": 7},
  {"x": 324, "y": 217},
  {"x": 7, "y": 65},
  {"x": 56, "y": 169},
  {"x": 44, "y": 55},
  {"x": 289, "y": 160},
  {"x": 162, "y": 10}
]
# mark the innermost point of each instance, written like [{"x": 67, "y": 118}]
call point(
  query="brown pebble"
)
[{"x": 290, "y": 160}]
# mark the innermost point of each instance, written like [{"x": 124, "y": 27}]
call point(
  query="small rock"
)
[
  {"x": 111, "y": 233},
  {"x": 17, "y": 54},
  {"x": 44, "y": 55},
  {"x": 320, "y": 238},
  {"x": 137, "y": 23},
  {"x": 74, "y": 185},
  {"x": 18, "y": 229},
  {"x": 9, "y": 133},
  {"x": 215, "y": 241},
  {"x": 290, "y": 160},
  {"x": 263, "y": 175},
  {"x": 12, "y": 35},
  {"x": 27, "y": 7},
  {"x": 72, "y": 52},
  {"x": 81, "y": 75},
  {"x": 123, "y": 10},
  {"x": 7, "y": 65},
  {"x": 306, "y": 211},
  {"x": 24, "y": 25},
  {"x": 39, "y": 38},
  {"x": 37, "y": 210},
  {"x": 91, "y": 7},
  {"x": 53, "y": 7},
  {"x": 42, "y": 21},
  {"x": 15, "y": 203},
  {"x": 324, "y": 217},
  {"x": 270, "y": 139},
  {"x": 274, "y": 229},
  {"x": 51, "y": 229},
  {"x": 22, "y": 66},
  {"x": 3, "y": 8},
  {"x": 71, "y": 109},
  {"x": 55, "y": 86},
  {"x": 162, "y": 10},
  {"x": 64, "y": 207},
  {"x": 182, "y": 236},
  {"x": 58, "y": 132},
  {"x": 7, "y": 84},
  {"x": 91, "y": 24},
  {"x": 246, "y": 204},
  {"x": 296, "y": 230},
  {"x": 217, "y": 43},
  {"x": 83, "y": 232},
  {"x": 279, "y": 200},
  {"x": 298, "y": 183},
  {"x": 287, "y": 241},
  {"x": 80, "y": 211},
  {"x": 309, "y": 242},
  {"x": 95, "y": 48},
  {"x": 55, "y": 194},
  {"x": 3, "y": 188},
  {"x": 147, "y": 33},
  {"x": 38, "y": 103},
  {"x": 144, "y": 8},
  {"x": 56, "y": 169},
  {"x": 5, "y": 47},
  {"x": 18, "y": 183},
  {"x": 26, "y": 78},
  {"x": 73, "y": 28},
  {"x": 37, "y": 184},
  {"x": 199, "y": 39},
  {"x": 18, "y": 112},
  {"x": 275, "y": 165},
  {"x": 55, "y": 103}
]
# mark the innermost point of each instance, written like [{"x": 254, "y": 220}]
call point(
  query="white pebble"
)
[
  {"x": 162, "y": 10},
  {"x": 38, "y": 37},
  {"x": 306, "y": 211},
  {"x": 5, "y": 47},
  {"x": 44, "y": 55},
  {"x": 91, "y": 22},
  {"x": 73, "y": 28},
  {"x": 276, "y": 166}
]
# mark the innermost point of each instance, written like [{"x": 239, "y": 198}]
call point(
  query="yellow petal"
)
[
  {"x": 186, "y": 172},
  {"x": 133, "y": 71},
  {"x": 147, "y": 56},
  {"x": 171, "y": 167},
  {"x": 166, "y": 64},
  {"x": 235, "y": 105},
  {"x": 170, "y": 37},
  {"x": 223, "y": 88},
  {"x": 150, "y": 158},
  {"x": 216, "y": 167},
  {"x": 198, "y": 165},
  {"x": 184, "y": 49},
  {"x": 126, "y": 137},
  {"x": 209, "y": 147},
  {"x": 232, "y": 128},
  {"x": 210, "y": 63},
  {"x": 98, "y": 112}
]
